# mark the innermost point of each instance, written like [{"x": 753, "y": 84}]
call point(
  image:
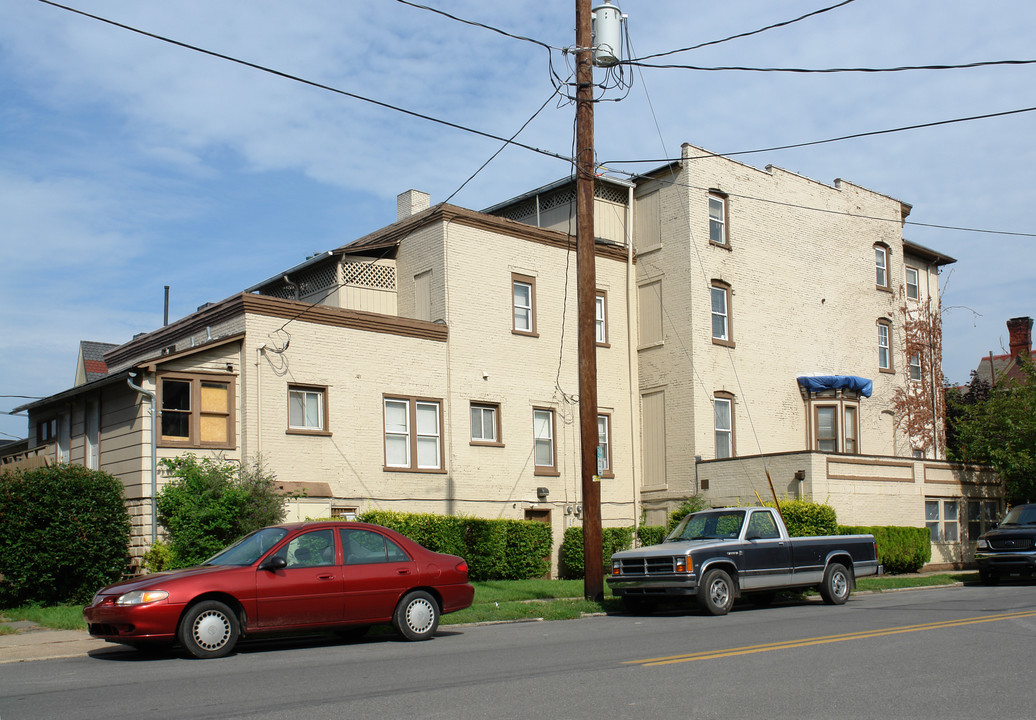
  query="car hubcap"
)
[
  {"x": 840, "y": 585},
  {"x": 211, "y": 630},
  {"x": 719, "y": 593},
  {"x": 419, "y": 616}
]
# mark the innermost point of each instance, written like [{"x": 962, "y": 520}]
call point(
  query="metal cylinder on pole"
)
[{"x": 586, "y": 284}]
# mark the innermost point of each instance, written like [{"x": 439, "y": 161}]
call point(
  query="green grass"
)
[
  {"x": 57, "y": 617},
  {"x": 503, "y": 600}
]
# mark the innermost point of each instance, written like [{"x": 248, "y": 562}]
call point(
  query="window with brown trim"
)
[
  {"x": 719, "y": 233},
  {"x": 885, "y": 346},
  {"x": 826, "y": 424},
  {"x": 722, "y": 319},
  {"x": 307, "y": 410},
  {"x": 881, "y": 266},
  {"x": 523, "y": 302},
  {"x": 485, "y": 424},
  {"x": 601, "y": 318},
  {"x": 913, "y": 285},
  {"x": 413, "y": 434},
  {"x": 544, "y": 456},
  {"x": 723, "y": 413},
  {"x": 197, "y": 410},
  {"x": 604, "y": 446},
  {"x": 851, "y": 429}
]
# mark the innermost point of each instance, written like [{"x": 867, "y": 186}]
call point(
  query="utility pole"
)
[{"x": 586, "y": 284}]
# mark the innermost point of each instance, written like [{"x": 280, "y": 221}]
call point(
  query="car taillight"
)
[{"x": 462, "y": 567}]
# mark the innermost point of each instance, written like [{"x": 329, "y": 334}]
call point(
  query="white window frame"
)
[
  {"x": 543, "y": 437},
  {"x": 415, "y": 433},
  {"x": 306, "y": 393},
  {"x": 604, "y": 433},
  {"x": 601, "y": 318},
  {"x": 942, "y": 518},
  {"x": 881, "y": 267},
  {"x": 488, "y": 416},
  {"x": 523, "y": 311},
  {"x": 915, "y": 367},
  {"x": 885, "y": 346},
  {"x": 718, "y": 220},
  {"x": 916, "y": 284},
  {"x": 724, "y": 315},
  {"x": 723, "y": 434}
]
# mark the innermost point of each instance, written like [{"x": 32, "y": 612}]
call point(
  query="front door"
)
[
  {"x": 767, "y": 557},
  {"x": 308, "y": 590}
]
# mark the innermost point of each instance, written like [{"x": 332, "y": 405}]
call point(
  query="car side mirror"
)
[{"x": 275, "y": 563}]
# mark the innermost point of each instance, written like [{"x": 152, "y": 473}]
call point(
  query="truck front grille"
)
[
  {"x": 1010, "y": 543},
  {"x": 647, "y": 566}
]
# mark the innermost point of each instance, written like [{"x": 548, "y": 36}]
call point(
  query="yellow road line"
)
[{"x": 823, "y": 640}]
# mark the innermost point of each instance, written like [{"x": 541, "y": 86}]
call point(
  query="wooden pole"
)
[{"x": 586, "y": 285}]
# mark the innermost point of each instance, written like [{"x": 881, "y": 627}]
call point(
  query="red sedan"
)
[{"x": 343, "y": 576}]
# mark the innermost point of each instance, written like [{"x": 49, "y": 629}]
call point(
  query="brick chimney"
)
[
  {"x": 411, "y": 202},
  {"x": 1020, "y": 330}
]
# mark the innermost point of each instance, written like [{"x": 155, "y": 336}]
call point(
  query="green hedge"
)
[
  {"x": 613, "y": 539},
  {"x": 804, "y": 518},
  {"x": 900, "y": 549},
  {"x": 64, "y": 534},
  {"x": 651, "y": 534},
  {"x": 494, "y": 549}
]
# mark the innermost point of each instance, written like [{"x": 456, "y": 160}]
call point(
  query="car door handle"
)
[
  {"x": 403, "y": 571},
  {"x": 325, "y": 577}
]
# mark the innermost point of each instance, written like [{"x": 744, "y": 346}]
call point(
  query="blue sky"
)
[{"x": 128, "y": 164}]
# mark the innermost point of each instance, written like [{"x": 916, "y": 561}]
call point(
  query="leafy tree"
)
[
  {"x": 1001, "y": 430},
  {"x": 211, "y": 503}
]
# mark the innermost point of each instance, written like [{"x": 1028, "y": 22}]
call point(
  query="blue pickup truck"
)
[{"x": 719, "y": 555}]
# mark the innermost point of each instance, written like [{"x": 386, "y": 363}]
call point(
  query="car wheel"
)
[
  {"x": 837, "y": 584},
  {"x": 416, "y": 616},
  {"x": 209, "y": 630},
  {"x": 638, "y": 605},
  {"x": 988, "y": 577},
  {"x": 716, "y": 593}
]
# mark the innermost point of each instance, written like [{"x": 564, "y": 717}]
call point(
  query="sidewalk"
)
[{"x": 32, "y": 642}]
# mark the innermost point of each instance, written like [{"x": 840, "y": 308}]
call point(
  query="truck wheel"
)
[
  {"x": 716, "y": 593},
  {"x": 837, "y": 584}
]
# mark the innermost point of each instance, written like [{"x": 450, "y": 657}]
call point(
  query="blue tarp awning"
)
[{"x": 817, "y": 383}]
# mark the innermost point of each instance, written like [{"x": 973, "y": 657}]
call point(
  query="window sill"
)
[
  {"x": 887, "y": 371},
  {"x": 603, "y": 345},
  {"x": 725, "y": 343},
  {"x": 883, "y": 288},
  {"x": 480, "y": 443},
  {"x": 196, "y": 446},
  {"x": 301, "y": 431},
  {"x": 722, "y": 246},
  {"x": 546, "y": 472},
  {"x": 428, "y": 471},
  {"x": 649, "y": 346},
  {"x": 525, "y": 333}
]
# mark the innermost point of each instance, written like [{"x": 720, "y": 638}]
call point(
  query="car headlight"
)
[
  {"x": 981, "y": 544},
  {"x": 140, "y": 597}
]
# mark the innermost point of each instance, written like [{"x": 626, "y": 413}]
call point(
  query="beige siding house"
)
[{"x": 432, "y": 365}]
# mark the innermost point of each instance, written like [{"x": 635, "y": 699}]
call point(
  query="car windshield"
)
[
  {"x": 1021, "y": 515},
  {"x": 708, "y": 526},
  {"x": 249, "y": 548}
]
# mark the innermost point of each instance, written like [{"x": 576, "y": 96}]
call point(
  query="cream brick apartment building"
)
[{"x": 431, "y": 366}]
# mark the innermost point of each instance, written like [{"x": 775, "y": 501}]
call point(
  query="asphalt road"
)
[{"x": 961, "y": 652}]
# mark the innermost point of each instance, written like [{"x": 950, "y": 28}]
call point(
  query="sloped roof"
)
[{"x": 91, "y": 358}]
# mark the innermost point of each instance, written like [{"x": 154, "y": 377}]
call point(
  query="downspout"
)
[
  {"x": 631, "y": 350},
  {"x": 154, "y": 453}
]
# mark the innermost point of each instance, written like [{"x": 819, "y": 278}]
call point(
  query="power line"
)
[
  {"x": 745, "y": 34},
  {"x": 830, "y": 140},
  {"x": 902, "y": 68},
  {"x": 478, "y": 24},
  {"x": 304, "y": 81}
]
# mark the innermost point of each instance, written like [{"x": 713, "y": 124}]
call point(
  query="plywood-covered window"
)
[{"x": 197, "y": 410}]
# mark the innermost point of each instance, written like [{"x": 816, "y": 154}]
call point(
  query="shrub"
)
[
  {"x": 211, "y": 503},
  {"x": 613, "y": 539},
  {"x": 900, "y": 549},
  {"x": 494, "y": 549},
  {"x": 651, "y": 534},
  {"x": 64, "y": 533},
  {"x": 804, "y": 518},
  {"x": 691, "y": 505}
]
